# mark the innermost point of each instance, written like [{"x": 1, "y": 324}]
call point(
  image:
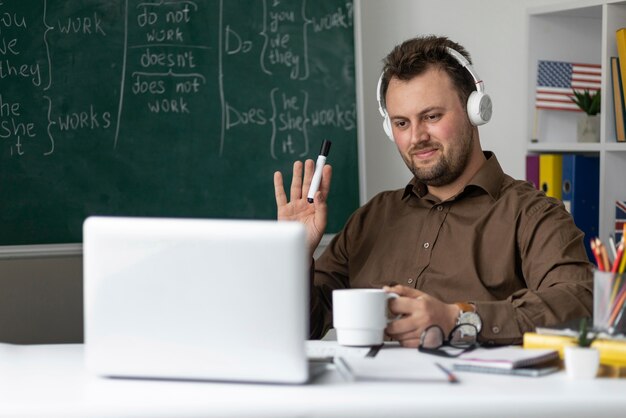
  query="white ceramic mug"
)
[{"x": 360, "y": 315}]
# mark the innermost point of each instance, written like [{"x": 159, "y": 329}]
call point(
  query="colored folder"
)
[
  {"x": 620, "y": 40},
  {"x": 550, "y": 174},
  {"x": 532, "y": 169},
  {"x": 580, "y": 193},
  {"x": 618, "y": 101}
]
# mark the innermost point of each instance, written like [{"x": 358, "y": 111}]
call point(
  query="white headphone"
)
[{"x": 479, "y": 106}]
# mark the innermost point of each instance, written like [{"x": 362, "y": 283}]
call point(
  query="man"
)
[{"x": 462, "y": 236}]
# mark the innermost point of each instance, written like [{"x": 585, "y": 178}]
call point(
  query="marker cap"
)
[{"x": 325, "y": 147}]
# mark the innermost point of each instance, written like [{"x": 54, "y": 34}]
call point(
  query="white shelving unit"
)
[{"x": 579, "y": 32}]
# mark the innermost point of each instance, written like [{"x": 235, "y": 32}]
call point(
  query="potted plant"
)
[
  {"x": 581, "y": 360},
  {"x": 589, "y": 122}
]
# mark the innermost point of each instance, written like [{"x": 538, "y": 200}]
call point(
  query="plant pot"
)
[
  {"x": 581, "y": 362},
  {"x": 588, "y": 128}
]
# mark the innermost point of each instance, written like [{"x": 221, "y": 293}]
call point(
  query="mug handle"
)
[{"x": 392, "y": 295}]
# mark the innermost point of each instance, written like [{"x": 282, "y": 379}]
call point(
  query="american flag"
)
[
  {"x": 556, "y": 82},
  {"x": 620, "y": 219}
]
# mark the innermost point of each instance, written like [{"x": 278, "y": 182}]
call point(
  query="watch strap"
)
[{"x": 465, "y": 307}]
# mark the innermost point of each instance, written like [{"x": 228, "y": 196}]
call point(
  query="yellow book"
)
[
  {"x": 612, "y": 352},
  {"x": 556, "y": 342},
  {"x": 551, "y": 174},
  {"x": 620, "y": 38},
  {"x": 618, "y": 100}
]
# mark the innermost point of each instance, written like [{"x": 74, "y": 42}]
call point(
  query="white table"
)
[{"x": 49, "y": 381}]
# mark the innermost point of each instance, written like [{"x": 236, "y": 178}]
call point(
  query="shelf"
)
[
  {"x": 575, "y": 147},
  {"x": 573, "y": 9},
  {"x": 582, "y": 32},
  {"x": 616, "y": 146},
  {"x": 563, "y": 147}
]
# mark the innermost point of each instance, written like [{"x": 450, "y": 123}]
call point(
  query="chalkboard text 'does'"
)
[{"x": 235, "y": 117}]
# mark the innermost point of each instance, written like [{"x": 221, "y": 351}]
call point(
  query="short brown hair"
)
[{"x": 415, "y": 56}]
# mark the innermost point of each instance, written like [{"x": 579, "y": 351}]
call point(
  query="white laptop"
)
[{"x": 195, "y": 299}]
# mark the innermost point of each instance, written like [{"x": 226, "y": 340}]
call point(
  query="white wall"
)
[{"x": 493, "y": 31}]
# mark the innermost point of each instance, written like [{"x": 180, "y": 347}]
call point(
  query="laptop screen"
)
[{"x": 196, "y": 299}]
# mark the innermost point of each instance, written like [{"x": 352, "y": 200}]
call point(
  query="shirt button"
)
[
  {"x": 439, "y": 208},
  {"x": 426, "y": 245},
  {"x": 495, "y": 329},
  {"x": 409, "y": 281}
]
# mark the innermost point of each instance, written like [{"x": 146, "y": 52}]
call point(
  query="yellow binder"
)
[
  {"x": 620, "y": 39},
  {"x": 618, "y": 100},
  {"x": 551, "y": 174},
  {"x": 557, "y": 342},
  {"x": 612, "y": 352}
]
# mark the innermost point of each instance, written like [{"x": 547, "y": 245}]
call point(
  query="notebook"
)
[
  {"x": 222, "y": 300},
  {"x": 508, "y": 357}
]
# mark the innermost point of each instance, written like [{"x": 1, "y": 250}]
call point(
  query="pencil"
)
[
  {"x": 622, "y": 265},
  {"x": 612, "y": 247},
  {"x": 617, "y": 307},
  {"x": 451, "y": 376},
  {"x": 616, "y": 285},
  {"x": 596, "y": 253},
  {"x": 605, "y": 255},
  {"x": 614, "y": 325},
  {"x": 618, "y": 257}
]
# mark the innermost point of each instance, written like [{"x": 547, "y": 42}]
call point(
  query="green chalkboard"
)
[{"x": 168, "y": 108}]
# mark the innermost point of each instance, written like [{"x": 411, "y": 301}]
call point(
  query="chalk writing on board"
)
[
  {"x": 163, "y": 66},
  {"x": 168, "y": 108}
]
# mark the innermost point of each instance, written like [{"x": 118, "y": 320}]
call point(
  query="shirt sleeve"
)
[{"x": 557, "y": 272}]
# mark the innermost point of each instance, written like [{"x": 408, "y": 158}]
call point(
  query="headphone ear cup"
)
[
  {"x": 479, "y": 108},
  {"x": 387, "y": 127}
]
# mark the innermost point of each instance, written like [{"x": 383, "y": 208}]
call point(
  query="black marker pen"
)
[{"x": 319, "y": 165}]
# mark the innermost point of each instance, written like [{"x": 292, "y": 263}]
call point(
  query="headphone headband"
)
[
  {"x": 381, "y": 108},
  {"x": 465, "y": 64}
]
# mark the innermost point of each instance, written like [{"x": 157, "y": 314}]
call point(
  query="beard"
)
[{"x": 448, "y": 167}]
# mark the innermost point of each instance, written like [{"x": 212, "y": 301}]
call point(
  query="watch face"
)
[{"x": 471, "y": 318}]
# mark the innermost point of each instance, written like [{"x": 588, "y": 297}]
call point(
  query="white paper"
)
[{"x": 394, "y": 364}]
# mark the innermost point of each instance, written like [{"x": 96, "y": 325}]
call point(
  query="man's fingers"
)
[
  {"x": 309, "y": 170},
  {"x": 405, "y": 305},
  {"x": 410, "y": 343},
  {"x": 410, "y": 333},
  {"x": 279, "y": 190},
  {"x": 327, "y": 174},
  {"x": 295, "y": 192},
  {"x": 404, "y": 291},
  {"x": 402, "y": 326}
]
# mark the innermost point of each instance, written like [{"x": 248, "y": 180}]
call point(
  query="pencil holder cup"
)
[{"x": 609, "y": 297}]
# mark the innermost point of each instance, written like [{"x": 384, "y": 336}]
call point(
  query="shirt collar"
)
[{"x": 489, "y": 178}]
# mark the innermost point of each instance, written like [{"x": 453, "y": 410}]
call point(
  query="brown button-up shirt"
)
[{"x": 499, "y": 244}]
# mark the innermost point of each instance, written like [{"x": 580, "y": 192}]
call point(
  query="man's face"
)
[{"x": 430, "y": 127}]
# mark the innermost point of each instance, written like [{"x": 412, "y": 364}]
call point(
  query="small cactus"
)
[{"x": 584, "y": 340}]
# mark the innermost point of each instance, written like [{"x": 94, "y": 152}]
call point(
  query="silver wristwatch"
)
[{"x": 468, "y": 316}]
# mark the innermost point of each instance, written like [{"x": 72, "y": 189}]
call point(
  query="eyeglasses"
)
[{"x": 462, "y": 338}]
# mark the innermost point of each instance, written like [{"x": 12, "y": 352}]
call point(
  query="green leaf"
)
[
  {"x": 587, "y": 101},
  {"x": 584, "y": 340}
]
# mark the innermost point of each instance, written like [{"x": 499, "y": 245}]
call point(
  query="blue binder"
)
[{"x": 580, "y": 193}]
